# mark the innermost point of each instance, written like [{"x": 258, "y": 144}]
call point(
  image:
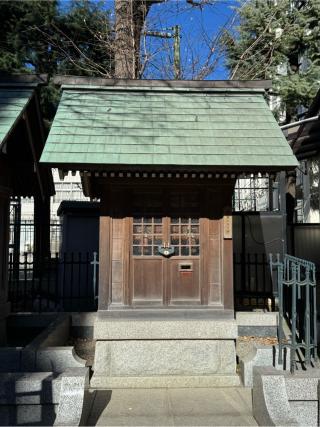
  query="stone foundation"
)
[{"x": 164, "y": 352}]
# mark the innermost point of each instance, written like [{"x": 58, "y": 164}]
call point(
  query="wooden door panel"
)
[
  {"x": 148, "y": 279},
  {"x": 168, "y": 218},
  {"x": 184, "y": 280}
]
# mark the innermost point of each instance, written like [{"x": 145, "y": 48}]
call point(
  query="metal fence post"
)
[
  {"x": 95, "y": 263},
  {"x": 297, "y": 281}
]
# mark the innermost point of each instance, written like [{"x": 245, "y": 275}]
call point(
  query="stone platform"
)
[
  {"x": 172, "y": 407},
  {"x": 165, "y": 349}
]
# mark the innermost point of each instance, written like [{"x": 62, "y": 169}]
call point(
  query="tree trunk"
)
[{"x": 130, "y": 18}]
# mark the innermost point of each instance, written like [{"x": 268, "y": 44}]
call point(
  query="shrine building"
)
[
  {"x": 22, "y": 138},
  {"x": 163, "y": 158}
]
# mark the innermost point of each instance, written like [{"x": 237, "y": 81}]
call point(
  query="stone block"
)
[
  {"x": 27, "y": 415},
  {"x": 258, "y": 323},
  {"x": 305, "y": 412},
  {"x": 164, "y": 381},
  {"x": 285, "y": 398},
  {"x": 260, "y": 355},
  {"x": 256, "y": 318},
  {"x": 164, "y": 363},
  {"x": 31, "y": 388},
  {"x": 270, "y": 402},
  {"x": 74, "y": 384},
  {"x": 33, "y": 398},
  {"x": 303, "y": 385},
  {"x": 57, "y": 359},
  {"x": 160, "y": 329},
  {"x": 56, "y": 334}
]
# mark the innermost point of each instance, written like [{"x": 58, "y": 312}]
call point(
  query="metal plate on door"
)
[
  {"x": 185, "y": 268},
  {"x": 166, "y": 250}
]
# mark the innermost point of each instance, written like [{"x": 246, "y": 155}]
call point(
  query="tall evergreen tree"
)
[
  {"x": 43, "y": 37},
  {"x": 21, "y": 49},
  {"x": 278, "y": 40}
]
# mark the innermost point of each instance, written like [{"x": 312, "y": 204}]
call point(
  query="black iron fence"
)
[
  {"x": 69, "y": 282},
  {"x": 58, "y": 282},
  {"x": 253, "y": 286},
  {"x": 296, "y": 280},
  {"x": 22, "y": 233}
]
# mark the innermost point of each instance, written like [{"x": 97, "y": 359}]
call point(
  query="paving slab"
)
[{"x": 227, "y": 406}]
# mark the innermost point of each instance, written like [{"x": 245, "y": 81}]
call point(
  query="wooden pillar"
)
[
  {"x": 283, "y": 208},
  {"x": 41, "y": 227},
  {"x": 227, "y": 251},
  {"x": 104, "y": 263},
  {"x": 227, "y": 257},
  {"x": 215, "y": 263},
  {"x": 112, "y": 268}
]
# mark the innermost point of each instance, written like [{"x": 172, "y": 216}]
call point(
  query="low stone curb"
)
[
  {"x": 43, "y": 397},
  {"x": 283, "y": 399},
  {"x": 74, "y": 383}
]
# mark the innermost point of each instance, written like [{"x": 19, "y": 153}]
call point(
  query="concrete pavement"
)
[{"x": 172, "y": 407}]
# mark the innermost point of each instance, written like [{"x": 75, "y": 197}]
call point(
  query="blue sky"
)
[{"x": 199, "y": 28}]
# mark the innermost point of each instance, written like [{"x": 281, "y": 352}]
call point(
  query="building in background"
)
[
  {"x": 22, "y": 213},
  {"x": 304, "y": 138}
]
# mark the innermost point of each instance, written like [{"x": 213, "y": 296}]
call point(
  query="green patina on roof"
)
[
  {"x": 12, "y": 105},
  {"x": 128, "y": 126}
]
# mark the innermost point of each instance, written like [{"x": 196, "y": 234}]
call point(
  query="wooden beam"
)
[
  {"x": 21, "y": 79},
  {"x": 166, "y": 84},
  {"x": 34, "y": 155},
  {"x": 140, "y": 169}
]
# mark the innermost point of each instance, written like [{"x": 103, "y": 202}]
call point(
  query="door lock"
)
[{"x": 166, "y": 250}]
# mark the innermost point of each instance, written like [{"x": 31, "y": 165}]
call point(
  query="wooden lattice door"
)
[{"x": 165, "y": 249}]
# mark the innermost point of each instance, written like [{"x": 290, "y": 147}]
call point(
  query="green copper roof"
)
[
  {"x": 12, "y": 104},
  {"x": 129, "y": 127}
]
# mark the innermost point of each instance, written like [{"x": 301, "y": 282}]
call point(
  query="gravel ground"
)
[{"x": 244, "y": 344}]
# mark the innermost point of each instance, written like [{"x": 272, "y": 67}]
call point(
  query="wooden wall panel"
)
[
  {"x": 214, "y": 263},
  {"x": 148, "y": 280},
  {"x": 184, "y": 285},
  {"x": 117, "y": 260}
]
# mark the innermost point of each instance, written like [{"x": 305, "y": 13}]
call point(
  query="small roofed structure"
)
[
  {"x": 22, "y": 138},
  {"x": 304, "y": 137},
  {"x": 163, "y": 158}
]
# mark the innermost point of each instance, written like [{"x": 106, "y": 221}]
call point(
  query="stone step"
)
[
  {"x": 167, "y": 313},
  {"x": 30, "y": 388},
  {"x": 164, "y": 363},
  {"x": 44, "y": 398},
  {"x": 150, "y": 328}
]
